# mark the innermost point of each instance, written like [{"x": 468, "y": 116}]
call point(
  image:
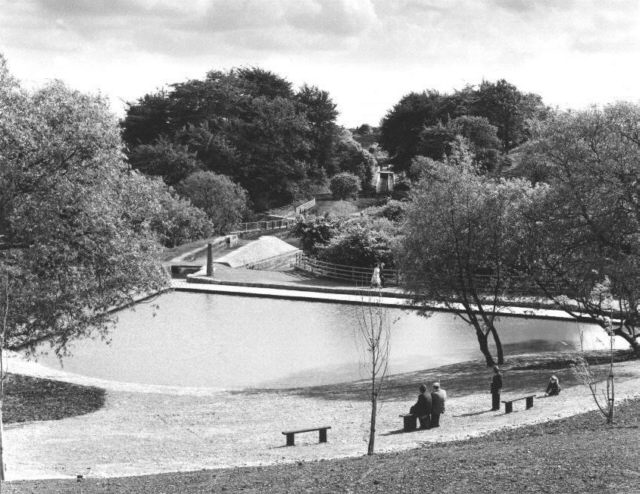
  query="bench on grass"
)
[
  {"x": 508, "y": 404},
  {"x": 290, "y": 434},
  {"x": 409, "y": 422}
]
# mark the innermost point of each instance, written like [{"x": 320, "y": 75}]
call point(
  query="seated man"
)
[{"x": 422, "y": 408}]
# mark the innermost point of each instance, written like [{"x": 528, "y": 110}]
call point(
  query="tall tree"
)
[
  {"x": 509, "y": 109},
  {"x": 247, "y": 124},
  {"x": 463, "y": 236},
  {"x": 222, "y": 200},
  {"x": 401, "y": 127},
  {"x": 585, "y": 235},
  {"x": 64, "y": 231}
]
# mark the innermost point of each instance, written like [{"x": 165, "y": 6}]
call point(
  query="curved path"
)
[{"x": 152, "y": 429}]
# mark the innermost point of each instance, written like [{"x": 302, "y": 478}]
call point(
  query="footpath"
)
[{"x": 297, "y": 285}]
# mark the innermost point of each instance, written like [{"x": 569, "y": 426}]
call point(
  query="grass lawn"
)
[{"x": 574, "y": 455}]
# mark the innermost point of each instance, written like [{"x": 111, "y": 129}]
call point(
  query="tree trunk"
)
[
  {"x": 1, "y": 445},
  {"x": 484, "y": 346},
  {"x": 496, "y": 339},
  {"x": 372, "y": 425},
  {"x": 633, "y": 342}
]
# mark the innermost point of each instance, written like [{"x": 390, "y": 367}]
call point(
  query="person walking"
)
[
  {"x": 422, "y": 408},
  {"x": 438, "y": 398},
  {"x": 375, "y": 277},
  {"x": 496, "y": 386}
]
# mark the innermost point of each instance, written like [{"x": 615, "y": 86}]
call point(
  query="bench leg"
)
[
  {"x": 290, "y": 440},
  {"x": 529, "y": 402},
  {"x": 508, "y": 407},
  {"x": 409, "y": 422},
  {"x": 323, "y": 435}
]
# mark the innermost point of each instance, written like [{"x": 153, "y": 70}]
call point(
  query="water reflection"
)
[{"x": 233, "y": 342}]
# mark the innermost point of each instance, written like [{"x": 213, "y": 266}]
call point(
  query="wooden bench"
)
[
  {"x": 409, "y": 422},
  {"x": 508, "y": 404},
  {"x": 290, "y": 434}
]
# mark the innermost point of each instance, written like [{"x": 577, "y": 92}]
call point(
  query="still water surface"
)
[{"x": 229, "y": 342}]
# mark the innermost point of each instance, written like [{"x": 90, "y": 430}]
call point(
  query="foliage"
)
[
  {"x": 342, "y": 209},
  {"x": 315, "y": 233},
  {"x": 508, "y": 109},
  {"x": 350, "y": 157},
  {"x": 224, "y": 202},
  {"x": 170, "y": 161},
  {"x": 247, "y": 124},
  {"x": 400, "y": 129},
  {"x": 393, "y": 211},
  {"x": 462, "y": 224},
  {"x": 361, "y": 244},
  {"x": 585, "y": 233},
  {"x": 345, "y": 186},
  {"x": 67, "y": 244},
  {"x": 151, "y": 205},
  {"x": 494, "y": 117}
]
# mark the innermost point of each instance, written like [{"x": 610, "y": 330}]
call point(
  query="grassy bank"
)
[
  {"x": 575, "y": 455},
  {"x": 29, "y": 398},
  {"x": 572, "y": 455}
]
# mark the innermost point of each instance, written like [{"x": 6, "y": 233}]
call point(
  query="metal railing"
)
[
  {"x": 353, "y": 274},
  {"x": 521, "y": 286},
  {"x": 306, "y": 206},
  {"x": 258, "y": 226}
]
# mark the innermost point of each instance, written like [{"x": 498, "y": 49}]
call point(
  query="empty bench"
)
[
  {"x": 322, "y": 430},
  {"x": 508, "y": 404}
]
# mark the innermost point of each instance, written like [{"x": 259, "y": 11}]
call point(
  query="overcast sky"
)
[{"x": 366, "y": 53}]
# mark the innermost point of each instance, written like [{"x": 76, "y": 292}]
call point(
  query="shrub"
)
[
  {"x": 359, "y": 245},
  {"x": 224, "y": 201},
  {"x": 345, "y": 186}
]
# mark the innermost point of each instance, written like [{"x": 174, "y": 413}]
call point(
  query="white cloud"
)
[{"x": 367, "y": 53}]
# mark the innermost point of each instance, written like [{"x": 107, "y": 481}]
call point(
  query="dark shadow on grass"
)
[
  {"x": 522, "y": 374},
  {"x": 402, "y": 431},
  {"x": 472, "y": 414}
]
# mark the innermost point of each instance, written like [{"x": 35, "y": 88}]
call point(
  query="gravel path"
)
[{"x": 151, "y": 429}]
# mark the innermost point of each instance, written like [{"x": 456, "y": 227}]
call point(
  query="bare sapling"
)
[
  {"x": 374, "y": 332},
  {"x": 3, "y": 374},
  {"x": 605, "y": 399}
]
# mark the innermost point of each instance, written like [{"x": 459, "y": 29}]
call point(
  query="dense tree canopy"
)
[
  {"x": 463, "y": 236},
  {"x": 493, "y": 117},
  {"x": 345, "y": 186},
  {"x": 69, "y": 248},
  {"x": 585, "y": 236},
  {"x": 246, "y": 123},
  {"x": 223, "y": 201}
]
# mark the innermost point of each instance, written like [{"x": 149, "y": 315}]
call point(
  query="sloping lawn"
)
[{"x": 575, "y": 455}]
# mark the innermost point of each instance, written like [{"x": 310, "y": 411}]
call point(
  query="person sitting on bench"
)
[
  {"x": 553, "y": 388},
  {"x": 422, "y": 408}
]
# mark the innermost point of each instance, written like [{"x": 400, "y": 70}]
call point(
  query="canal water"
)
[{"x": 232, "y": 342}]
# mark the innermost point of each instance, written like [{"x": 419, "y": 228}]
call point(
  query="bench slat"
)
[
  {"x": 307, "y": 430},
  {"x": 516, "y": 399}
]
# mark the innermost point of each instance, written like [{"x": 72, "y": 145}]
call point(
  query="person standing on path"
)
[
  {"x": 438, "y": 397},
  {"x": 496, "y": 386},
  {"x": 375, "y": 277}
]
